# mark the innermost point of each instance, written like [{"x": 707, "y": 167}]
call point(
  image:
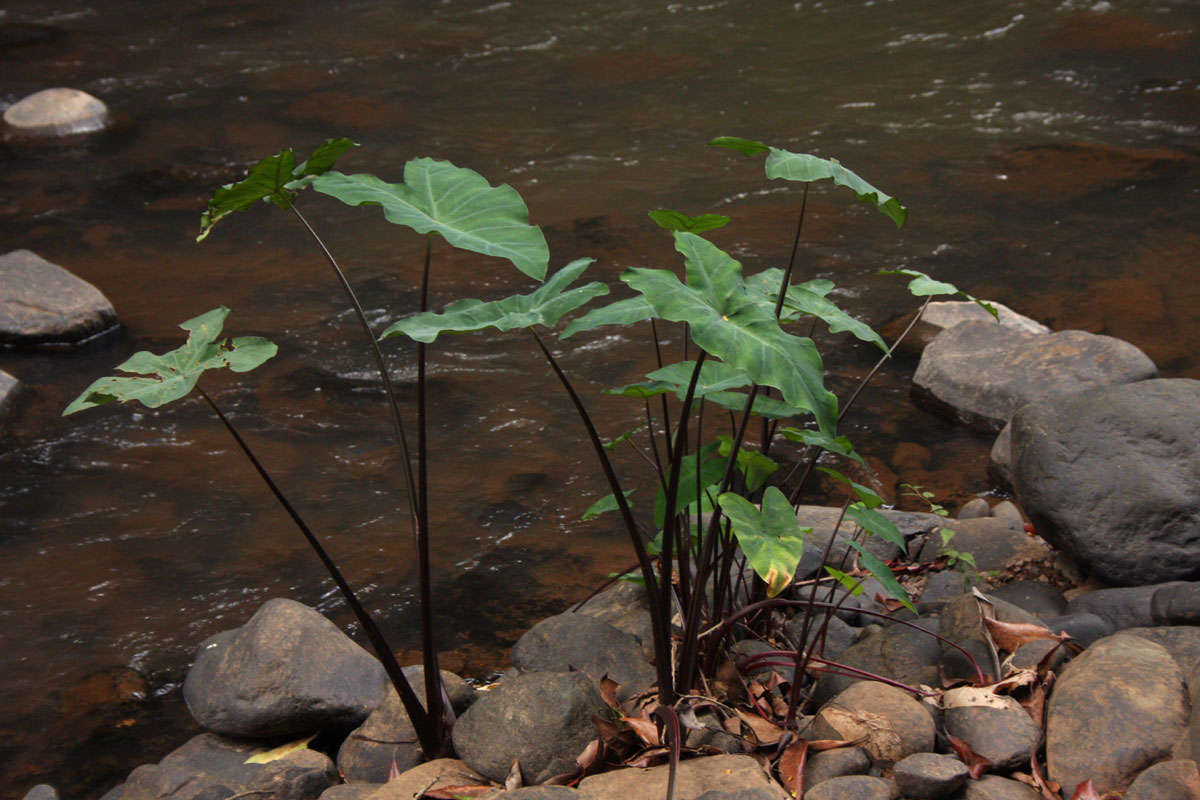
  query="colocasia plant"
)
[{"x": 723, "y": 508}]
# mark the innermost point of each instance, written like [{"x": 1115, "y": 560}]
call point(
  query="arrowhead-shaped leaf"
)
[
  {"x": 275, "y": 178},
  {"x": 809, "y": 298},
  {"x": 458, "y": 203},
  {"x": 804, "y": 167},
  {"x": 544, "y": 306},
  {"x": 678, "y": 221},
  {"x": 772, "y": 538},
  {"x": 922, "y": 285},
  {"x": 747, "y": 147},
  {"x": 603, "y": 506},
  {"x": 730, "y": 324},
  {"x": 622, "y": 312},
  {"x": 172, "y": 375}
]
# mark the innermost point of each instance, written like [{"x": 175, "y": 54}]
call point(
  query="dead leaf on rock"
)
[
  {"x": 975, "y": 697},
  {"x": 608, "y": 690},
  {"x": 765, "y": 732},
  {"x": 1008, "y": 636},
  {"x": 1086, "y": 791},
  {"x": 791, "y": 767},
  {"x": 872, "y": 732},
  {"x": 646, "y": 730},
  {"x": 976, "y": 764}
]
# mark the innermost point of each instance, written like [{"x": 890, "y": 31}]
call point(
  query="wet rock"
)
[
  {"x": 695, "y": 778},
  {"x": 888, "y": 723},
  {"x": 623, "y": 605},
  {"x": 542, "y": 719},
  {"x": 930, "y": 776},
  {"x": 1038, "y": 598},
  {"x": 1085, "y": 628},
  {"x": 992, "y": 787},
  {"x": 997, "y": 545},
  {"x": 1007, "y": 509},
  {"x": 982, "y": 373},
  {"x": 388, "y": 737},
  {"x": 854, "y": 787},
  {"x": 1124, "y": 607},
  {"x": 1167, "y": 780},
  {"x": 576, "y": 641},
  {"x": 899, "y": 653},
  {"x": 1131, "y": 526},
  {"x": 1117, "y": 708},
  {"x": 974, "y": 508},
  {"x": 8, "y": 390},
  {"x": 945, "y": 314},
  {"x": 1177, "y": 604},
  {"x": 210, "y": 767},
  {"x": 287, "y": 671},
  {"x": 820, "y": 767},
  {"x": 1007, "y": 736},
  {"x": 43, "y": 304},
  {"x": 43, "y": 791},
  {"x": 57, "y": 112}
]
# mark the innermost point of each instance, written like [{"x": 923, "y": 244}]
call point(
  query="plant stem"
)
[{"x": 430, "y": 741}]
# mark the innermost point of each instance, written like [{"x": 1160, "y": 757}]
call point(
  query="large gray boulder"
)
[
  {"x": 581, "y": 642},
  {"x": 1112, "y": 477},
  {"x": 883, "y": 720},
  {"x": 982, "y": 373},
  {"x": 43, "y": 304},
  {"x": 939, "y": 316},
  {"x": 287, "y": 671},
  {"x": 57, "y": 112}
]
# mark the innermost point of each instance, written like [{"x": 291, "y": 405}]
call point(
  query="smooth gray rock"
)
[
  {"x": 545, "y": 793},
  {"x": 1124, "y": 607},
  {"x": 1084, "y": 627},
  {"x": 1038, "y": 598},
  {"x": 888, "y": 721},
  {"x": 997, "y": 545},
  {"x": 695, "y": 778},
  {"x": 1007, "y": 737},
  {"x": 993, "y": 787},
  {"x": 43, "y": 791},
  {"x": 899, "y": 653},
  {"x": 1111, "y": 476},
  {"x": 981, "y": 373},
  {"x": 945, "y": 314},
  {"x": 835, "y": 635},
  {"x": 287, "y": 671},
  {"x": 1000, "y": 457},
  {"x": 57, "y": 112},
  {"x": 1181, "y": 641},
  {"x": 350, "y": 791},
  {"x": 960, "y": 617},
  {"x": 43, "y": 304},
  {"x": 623, "y": 605},
  {"x": 8, "y": 390},
  {"x": 974, "y": 508},
  {"x": 426, "y": 776},
  {"x": 854, "y": 787},
  {"x": 1117, "y": 708},
  {"x": 930, "y": 776},
  {"x": 820, "y": 767},
  {"x": 1167, "y": 780},
  {"x": 1007, "y": 509},
  {"x": 578, "y": 641},
  {"x": 542, "y": 719},
  {"x": 940, "y": 588},
  {"x": 1177, "y": 604},
  {"x": 209, "y": 767}
]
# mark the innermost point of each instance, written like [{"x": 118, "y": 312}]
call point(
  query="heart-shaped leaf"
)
[
  {"x": 678, "y": 221},
  {"x": 728, "y": 323},
  {"x": 172, "y": 375},
  {"x": 753, "y": 465},
  {"x": 275, "y": 178},
  {"x": 544, "y": 306},
  {"x": 771, "y": 537},
  {"x": 458, "y": 203}
]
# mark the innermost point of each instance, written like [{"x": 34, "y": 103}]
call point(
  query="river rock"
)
[
  {"x": 1037, "y": 597},
  {"x": 43, "y": 791},
  {"x": 899, "y": 652},
  {"x": 982, "y": 373},
  {"x": 425, "y": 777},
  {"x": 825, "y": 764},
  {"x": 993, "y": 787},
  {"x": 8, "y": 390},
  {"x": 997, "y": 545},
  {"x": 974, "y": 508},
  {"x": 43, "y": 304},
  {"x": 209, "y": 767},
  {"x": 542, "y": 719},
  {"x": 1007, "y": 737},
  {"x": 1085, "y": 628},
  {"x": 1167, "y": 780},
  {"x": 939, "y": 316},
  {"x": 352, "y": 791},
  {"x": 1112, "y": 476},
  {"x": 854, "y": 787},
  {"x": 544, "y": 793},
  {"x": 624, "y": 606},
  {"x": 1181, "y": 641},
  {"x": 886, "y": 722},
  {"x": 57, "y": 112},
  {"x": 960, "y": 619},
  {"x": 930, "y": 776},
  {"x": 822, "y": 520},
  {"x": 388, "y": 737},
  {"x": 834, "y": 635},
  {"x": 577, "y": 641},
  {"x": 1000, "y": 457},
  {"x": 696, "y": 778},
  {"x": 1177, "y": 604},
  {"x": 287, "y": 671},
  {"x": 1124, "y": 607},
  {"x": 1117, "y": 708},
  {"x": 940, "y": 588}
]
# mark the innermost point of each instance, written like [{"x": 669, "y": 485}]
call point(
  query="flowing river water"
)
[{"x": 1048, "y": 152}]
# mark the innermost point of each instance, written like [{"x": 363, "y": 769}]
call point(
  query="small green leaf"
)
[
  {"x": 603, "y": 505},
  {"x": 772, "y": 538},
  {"x": 876, "y": 524},
  {"x": 173, "y": 375},
  {"x": 544, "y": 306},
  {"x": 839, "y": 444},
  {"x": 884, "y": 575},
  {"x": 747, "y": 147},
  {"x": 711, "y": 469},
  {"x": 804, "y": 167},
  {"x": 922, "y": 285},
  {"x": 622, "y": 312},
  {"x": 457, "y": 203},
  {"x": 754, "y": 465},
  {"x": 677, "y": 221},
  {"x": 853, "y": 585}
]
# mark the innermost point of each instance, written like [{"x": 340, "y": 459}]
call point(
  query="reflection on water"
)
[{"x": 1047, "y": 151}]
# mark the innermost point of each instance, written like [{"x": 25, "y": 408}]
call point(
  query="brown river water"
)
[{"x": 1048, "y": 152}]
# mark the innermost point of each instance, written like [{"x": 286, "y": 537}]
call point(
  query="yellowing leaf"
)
[{"x": 267, "y": 756}]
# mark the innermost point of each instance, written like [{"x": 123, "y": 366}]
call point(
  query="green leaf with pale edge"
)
[
  {"x": 804, "y": 167},
  {"x": 603, "y": 505},
  {"x": 622, "y": 312},
  {"x": 172, "y": 375},
  {"x": 711, "y": 468},
  {"x": 458, "y": 203},
  {"x": 804, "y": 299},
  {"x": 754, "y": 465},
  {"x": 544, "y": 306},
  {"x": 876, "y": 524},
  {"x": 884, "y": 575},
  {"x": 922, "y": 285},
  {"x": 747, "y": 147},
  {"x": 275, "y": 178},
  {"x": 678, "y": 221},
  {"x": 772, "y": 538},
  {"x": 864, "y": 494},
  {"x": 728, "y": 323},
  {"x": 853, "y": 585},
  {"x": 839, "y": 444}
]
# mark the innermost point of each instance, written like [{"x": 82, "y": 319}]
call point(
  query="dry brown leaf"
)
[
  {"x": 791, "y": 767},
  {"x": 1086, "y": 791},
  {"x": 976, "y": 764},
  {"x": 513, "y": 780},
  {"x": 394, "y": 770},
  {"x": 1008, "y": 636},
  {"x": 590, "y": 755},
  {"x": 649, "y": 757},
  {"x": 765, "y": 732},
  {"x": 646, "y": 730},
  {"x": 975, "y": 697},
  {"x": 1049, "y": 789},
  {"x": 1035, "y": 705}
]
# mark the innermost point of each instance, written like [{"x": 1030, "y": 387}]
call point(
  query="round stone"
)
[{"x": 58, "y": 112}]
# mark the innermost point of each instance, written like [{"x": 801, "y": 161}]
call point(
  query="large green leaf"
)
[
  {"x": 622, "y": 312},
  {"x": 678, "y": 221},
  {"x": 804, "y": 167},
  {"x": 455, "y": 202},
  {"x": 727, "y": 322},
  {"x": 544, "y": 306},
  {"x": 772, "y": 538},
  {"x": 922, "y": 285},
  {"x": 711, "y": 468},
  {"x": 809, "y": 298},
  {"x": 172, "y": 375},
  {"x": 276, "y": 178}
]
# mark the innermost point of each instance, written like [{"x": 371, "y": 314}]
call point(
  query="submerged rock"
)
[
  {"x": 57, "y": 112},
  {"x": 42, "y": 303}
]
